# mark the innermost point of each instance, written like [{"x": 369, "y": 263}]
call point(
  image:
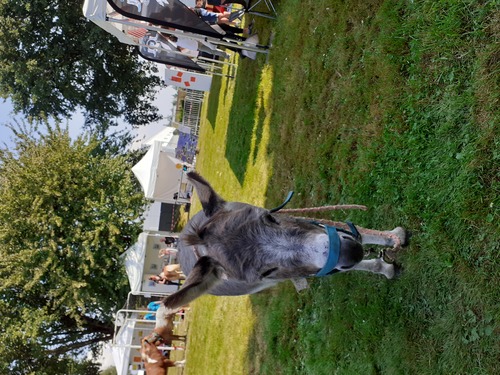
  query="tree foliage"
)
[
  {"x": 54, "y": 61},
  {"x": 67, "y": 213}
]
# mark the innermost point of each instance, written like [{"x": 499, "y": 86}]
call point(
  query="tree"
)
[
  {"x": 109, "y": 371},
  {"x": 53, "y": 62},
  {"x": 67, "y": 213}
]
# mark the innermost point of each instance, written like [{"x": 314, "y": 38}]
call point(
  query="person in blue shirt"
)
[
  {"x": 212, "y": 18},
  {"x": 220, "y": 19}
]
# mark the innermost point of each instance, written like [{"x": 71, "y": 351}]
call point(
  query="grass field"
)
[{"x": 392, "y": 104}]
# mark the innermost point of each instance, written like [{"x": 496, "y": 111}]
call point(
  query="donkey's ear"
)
[
  {"x": 209, "y": 199},
  {"x": 205, "y": 275}
]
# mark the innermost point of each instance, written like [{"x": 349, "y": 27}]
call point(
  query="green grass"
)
[{"x": 392, "y": 104}]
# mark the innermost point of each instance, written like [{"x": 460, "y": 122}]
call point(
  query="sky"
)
[{"x": 163, "y": 101}]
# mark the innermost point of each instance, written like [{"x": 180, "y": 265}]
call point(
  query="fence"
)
[{"x": 192, "y": 110}]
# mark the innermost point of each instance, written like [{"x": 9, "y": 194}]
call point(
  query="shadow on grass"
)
[
  {"x": 241, "y": 118},
  {"x": 213, "y": 100},
  {"x": 259, "y": 128}
]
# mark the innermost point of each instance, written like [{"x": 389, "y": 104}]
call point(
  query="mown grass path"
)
[{"x": 392, "y": 104}]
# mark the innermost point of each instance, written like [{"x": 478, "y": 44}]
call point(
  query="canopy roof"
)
[
  {"x": 169, "y": 13},
  {"x": 150, "y": 44},
  {"x": 134, "y": 262},
  {"x": 98, "y": 11},
  {"x": 162, "y": 176}
]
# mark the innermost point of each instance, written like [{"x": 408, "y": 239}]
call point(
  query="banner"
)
[{"x": 187, "y": 80}]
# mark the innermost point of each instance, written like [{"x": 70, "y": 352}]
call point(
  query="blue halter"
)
[
  {"x": 333, "y": 239},
  {"x": 334, "y": 248},
  {"x": 333, "y": 251}
]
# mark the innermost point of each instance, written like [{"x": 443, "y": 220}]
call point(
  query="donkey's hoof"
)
[{"x": 403, "y": 235}]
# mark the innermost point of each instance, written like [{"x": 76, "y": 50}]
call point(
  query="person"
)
[
  {"x": 211, "y": 17},
  {"x": 222, "y": 19},
  {"x": 150, "y": 316},
  {"x": 167, "y": 251},
  {"x": 170, "y": 273},
  {"x": 223, "y": 2},
  {"x": 154, "y": 305},
  {"x": 162, "y": 280},
  {"x": 169, "y": 240},
  {"x": 186, "y": 46},
  {"x": 157, "y": 279}
]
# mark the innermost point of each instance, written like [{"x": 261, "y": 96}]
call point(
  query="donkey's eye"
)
[
  {"x": 202, "y": 232},
  {"x": 270, "y": 218}
]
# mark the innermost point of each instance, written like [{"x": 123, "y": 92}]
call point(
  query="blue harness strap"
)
[
  {"x": 334, "y": 248},
  {"x": 354, "y": 231},
  {"x": 333, "y": 252},
  {"x": 287, "y": 199}
]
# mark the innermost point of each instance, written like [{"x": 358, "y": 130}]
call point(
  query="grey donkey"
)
[{"x": 232, "y": 248}]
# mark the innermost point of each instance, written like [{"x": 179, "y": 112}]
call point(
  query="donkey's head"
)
[{"x": 250, "y": 242}]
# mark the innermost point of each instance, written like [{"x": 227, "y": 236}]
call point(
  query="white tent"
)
[
  {"x": 142, "y": 261},
  {"x": 121, "y": 348},
  {"x": 106, "y": 17},
  {"x": 163, "y": 177},
  {"x": 134, "y": 262},
  {"x": 133, "y": 32},
  {"x": 97, "y": 11},
  {"x": 167, "y": 138}
]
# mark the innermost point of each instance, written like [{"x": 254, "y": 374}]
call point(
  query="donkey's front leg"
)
[
  {"x": 377, "y": 265},
  {"x": 395, "y": 238}
]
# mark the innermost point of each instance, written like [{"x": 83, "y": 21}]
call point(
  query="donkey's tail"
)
[{"x": 205, "y": 275}]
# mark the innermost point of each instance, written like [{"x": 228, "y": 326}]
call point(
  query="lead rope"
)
[
  {"x": 344, "y": 226},
  {"x": 326, "y": 208},
  {"x": 315, "y": 209}
]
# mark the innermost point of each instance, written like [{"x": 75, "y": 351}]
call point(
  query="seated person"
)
[
  {"x": 154, "y": 305},
  {"x": 223, "y": 2},
  {"x": 169, "y": 240},
  {"x": 211, "y": 17},
  {"x": 171, "y": 272},
  {"x": 150, "y": 317},
  {"x": 167, "y": 251}
]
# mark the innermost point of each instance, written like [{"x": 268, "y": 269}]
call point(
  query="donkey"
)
[{"x": 232, "y": 248}]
